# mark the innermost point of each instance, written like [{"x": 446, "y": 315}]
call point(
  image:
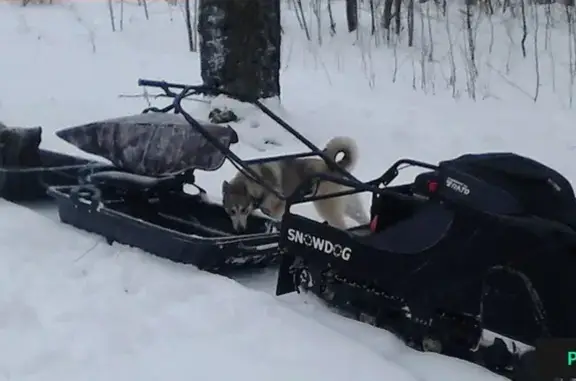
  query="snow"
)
[
  {"x": 74, "y": 308},
  {"x": 83, "y": 310}
]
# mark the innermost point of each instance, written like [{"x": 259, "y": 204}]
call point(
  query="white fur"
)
[{"x": 332, "y": 210}]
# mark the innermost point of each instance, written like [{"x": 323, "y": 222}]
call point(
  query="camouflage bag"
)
[{"x": 152, "y": 144}]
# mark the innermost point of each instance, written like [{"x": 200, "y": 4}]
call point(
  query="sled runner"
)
[
  {"x": 26, "y": 170},
  {"x": 476, "y": 247}
]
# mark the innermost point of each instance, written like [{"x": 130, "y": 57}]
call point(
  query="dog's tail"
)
[{"x": 346, "y": 146}]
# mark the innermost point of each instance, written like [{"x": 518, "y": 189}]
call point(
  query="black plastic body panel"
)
[{"x": 198, "y": 244}]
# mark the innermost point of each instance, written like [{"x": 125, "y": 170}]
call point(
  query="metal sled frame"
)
[{"x": 178, "y": 92}]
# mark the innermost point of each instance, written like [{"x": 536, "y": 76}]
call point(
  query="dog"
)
[{"x": 242, "y": 195}]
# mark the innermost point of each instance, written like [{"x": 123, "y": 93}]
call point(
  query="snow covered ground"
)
[{"x": 74, "y": 308}]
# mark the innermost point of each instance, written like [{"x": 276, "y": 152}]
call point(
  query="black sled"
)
[
  {"x": 474, "y": 259},
  {"x": 142, "y": 201}
]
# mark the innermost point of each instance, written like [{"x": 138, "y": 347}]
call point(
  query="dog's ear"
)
[{"x": 225, "y": 186}]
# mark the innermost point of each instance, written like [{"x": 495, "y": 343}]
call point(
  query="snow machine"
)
[
  {"x": 143, "y": 201},
  {"x": 26, "y": 170},
  {"x": 473, "y": 259}
]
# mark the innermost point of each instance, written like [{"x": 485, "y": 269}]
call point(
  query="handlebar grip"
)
[
  {"x": 162, "y": 84},
  {"x": 151, "y": 83}
]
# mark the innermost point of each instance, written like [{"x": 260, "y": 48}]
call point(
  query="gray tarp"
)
[{"x": 152, "y": 144}]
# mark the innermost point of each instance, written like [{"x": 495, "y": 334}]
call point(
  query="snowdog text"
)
[{"x": 319, "y": 244}]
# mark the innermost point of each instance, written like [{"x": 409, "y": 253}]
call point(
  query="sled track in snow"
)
[{"x": 378, "y": 341}]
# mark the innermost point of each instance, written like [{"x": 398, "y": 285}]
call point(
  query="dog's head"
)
[{"x": 238, "y": 203}]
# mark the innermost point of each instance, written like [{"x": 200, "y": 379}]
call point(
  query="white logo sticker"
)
[
  {"x": 457, "y": 186},
  {"x": 319, "y": 244}
]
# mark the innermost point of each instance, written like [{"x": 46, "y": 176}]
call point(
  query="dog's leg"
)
[
  {"x": 355, "y": 210},
  {"x": 332, "y": 211},
  {"x": 273, "y": 208},
  {"x": 278, "y": 210}
]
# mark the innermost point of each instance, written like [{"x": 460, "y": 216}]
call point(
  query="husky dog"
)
[{"x": 241, "y": 196}]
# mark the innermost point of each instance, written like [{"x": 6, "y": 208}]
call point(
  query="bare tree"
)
[
  {"x": 397, "y": 15},
  {"x": 387, "y": 17},
  {"x": 352, "y": 15},
  {"x": 299, "y": 10},
  {"x": 331, "y": 16},
  {"x": 524, "y": 27},
  {"x": 111, "y": 12},
  {"x": 571, "y": 48},
  {"x": 188, "y": 17},
  {"x": 410, "y": 21},
  {"x": 316, "y": 9},
  {"x": 472, "y": 70},
  {"x": 240, "y": 46},
  {"x": 26, "y": 2},
  {"x": 372, "y": 18},
  {"x": 144, "y": 3},
  {"x": 121, "y": 15},
  {"x": 536, "y": 57},
  {"x": 452, "y": 78}
]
